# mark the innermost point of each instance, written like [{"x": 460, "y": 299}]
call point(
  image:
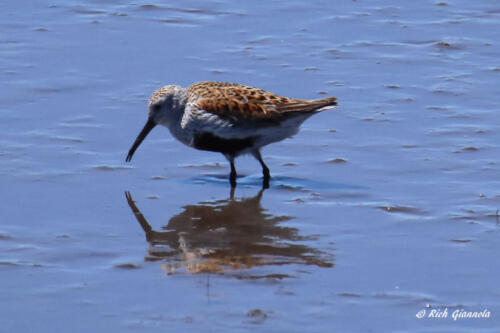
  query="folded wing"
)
[{"x": 239, "y": 102}]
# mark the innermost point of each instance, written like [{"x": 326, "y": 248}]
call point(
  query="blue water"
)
[{"x": 384, "y": 207}]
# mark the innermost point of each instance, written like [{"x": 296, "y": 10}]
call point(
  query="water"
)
[{"x": 380, "y": 209}]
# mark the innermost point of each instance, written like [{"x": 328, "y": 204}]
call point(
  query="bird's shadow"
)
[{"x": 228, "y": 236}]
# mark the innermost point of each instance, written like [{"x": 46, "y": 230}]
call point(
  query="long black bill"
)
[{"x": 150, "y": 124}]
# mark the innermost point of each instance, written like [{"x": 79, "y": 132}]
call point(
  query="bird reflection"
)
[{"x": 227, "y": 235}]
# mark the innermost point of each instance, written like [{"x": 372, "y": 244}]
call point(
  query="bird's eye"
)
[{"x": 156, "y": 107}]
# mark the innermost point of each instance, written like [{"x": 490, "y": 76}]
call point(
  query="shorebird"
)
[{"x": 229, "y": 118}]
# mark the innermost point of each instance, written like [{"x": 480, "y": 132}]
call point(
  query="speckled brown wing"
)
[{"x": 240, "y": 102}]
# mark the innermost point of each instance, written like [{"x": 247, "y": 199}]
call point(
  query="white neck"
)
[{"x": 171, "y": 115}]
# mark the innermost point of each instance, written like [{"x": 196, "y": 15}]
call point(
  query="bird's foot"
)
[
  {"x": 267, "y": 177},
  {"x": 232, "y": 179}
]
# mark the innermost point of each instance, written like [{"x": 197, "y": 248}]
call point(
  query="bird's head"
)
[{"x": 162, "y": 107}]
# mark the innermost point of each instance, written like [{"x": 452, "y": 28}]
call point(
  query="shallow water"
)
[{"x": 380, "y": 209}]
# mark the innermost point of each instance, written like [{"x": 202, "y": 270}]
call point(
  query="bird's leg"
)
[
  {"x": 265, "y": 169},
  {"x": 232, "y": 175}
]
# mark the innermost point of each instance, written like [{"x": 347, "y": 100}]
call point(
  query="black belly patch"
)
[{"x": 208, "y": 141}]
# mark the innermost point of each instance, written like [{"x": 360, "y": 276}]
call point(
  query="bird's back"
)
[{"x": 239, "y": 102}]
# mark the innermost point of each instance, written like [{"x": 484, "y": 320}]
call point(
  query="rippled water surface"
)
[{"x": 384, "y": 207}]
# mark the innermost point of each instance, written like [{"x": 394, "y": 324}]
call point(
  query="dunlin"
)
[{"x": 229, "y": 118}]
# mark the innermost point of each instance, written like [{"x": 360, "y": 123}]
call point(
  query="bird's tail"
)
[
  {"x": 326, "y": 103},
  {"x": 298, "y": 105}
]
